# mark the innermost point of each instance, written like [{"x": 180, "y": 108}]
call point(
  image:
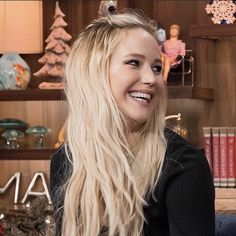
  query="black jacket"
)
[{"x": 184, "y": 196}]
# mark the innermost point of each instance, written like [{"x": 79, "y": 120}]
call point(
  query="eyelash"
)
[
  {"x": 156, "y": 69},
  {"x": 133, "y": 62}
]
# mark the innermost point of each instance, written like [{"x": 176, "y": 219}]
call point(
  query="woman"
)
[
  {"x": 174, "y": 48},
  {"x": 120, "y": 172}
]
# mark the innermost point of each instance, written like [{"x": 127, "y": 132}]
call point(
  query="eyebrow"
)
[{"x": 157, "y": 60}]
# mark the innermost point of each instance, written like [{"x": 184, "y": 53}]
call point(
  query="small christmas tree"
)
[{"x": 56, "y": 52}]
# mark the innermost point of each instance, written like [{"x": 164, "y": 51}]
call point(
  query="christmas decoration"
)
[
  {"x": 15, "y": 177},
  {"x": 222, "y": 11},
  {"x": 30, "y": 192},
  {"x": 33, "y": 219},
  {"x": 56, "y": 51}
]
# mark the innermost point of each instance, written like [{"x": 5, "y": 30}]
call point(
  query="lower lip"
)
[{"x": 141, "y": 102}]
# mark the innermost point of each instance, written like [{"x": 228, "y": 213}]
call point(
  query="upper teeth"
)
[{"x": 140, "y": 95}]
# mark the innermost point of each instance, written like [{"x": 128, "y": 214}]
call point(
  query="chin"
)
[{"x": 137, "y": 121}]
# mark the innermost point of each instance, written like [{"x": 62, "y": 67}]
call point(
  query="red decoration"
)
[{"x": 1, "y": 230}]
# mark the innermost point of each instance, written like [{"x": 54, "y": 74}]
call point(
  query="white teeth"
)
[{"x": 140, "y": 96}]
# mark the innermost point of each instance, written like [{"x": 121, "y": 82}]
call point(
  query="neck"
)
[
  {"x": 174, "y": 38},
  {"x": 133, "y": 140}
]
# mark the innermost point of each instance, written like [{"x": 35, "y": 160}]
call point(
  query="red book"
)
[
  {"x": 231, "y": 156},
  {"x": 208, "y": 145},
  {"x": 216, "y": 156},
  {"x": 223, "y": 157}
]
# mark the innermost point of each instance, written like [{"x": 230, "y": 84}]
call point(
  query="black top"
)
[{"x": 184, "y": 196}]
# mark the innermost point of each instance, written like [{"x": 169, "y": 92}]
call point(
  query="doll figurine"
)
[{"x": 174, "y": 48}]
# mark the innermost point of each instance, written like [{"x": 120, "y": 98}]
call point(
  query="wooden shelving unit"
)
[
  {"x": 26, "y": 154},
  {"x": 43, "y": 95},
  {"x": 190, "y": 92},
  {"x": 225, "y": 200},
  {"x": 31, "y": 95},
  {"x": 213, "y": 31}
]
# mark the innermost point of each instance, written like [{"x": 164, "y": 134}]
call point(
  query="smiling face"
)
[{"x": 135, "y": 75}]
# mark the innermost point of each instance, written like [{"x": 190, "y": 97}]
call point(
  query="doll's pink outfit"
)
[{"x": 172, "y": 51}]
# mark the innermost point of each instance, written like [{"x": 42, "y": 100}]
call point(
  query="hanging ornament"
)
[
  {"x": 107, "y": 7},
  {"x": 222, "y": 11}
]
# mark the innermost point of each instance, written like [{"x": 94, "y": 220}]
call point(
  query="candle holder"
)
[
  {"x": 11, "y": 137},
  {"x": 39, "y": 132}
]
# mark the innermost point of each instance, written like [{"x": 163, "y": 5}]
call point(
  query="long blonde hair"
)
[{"x": 106, "y": 191}]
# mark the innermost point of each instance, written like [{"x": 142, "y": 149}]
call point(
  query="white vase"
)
[{"x": 14, "y": 72}]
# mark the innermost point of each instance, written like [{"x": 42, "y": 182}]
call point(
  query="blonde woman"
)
[{"x": 119, "y": 171}]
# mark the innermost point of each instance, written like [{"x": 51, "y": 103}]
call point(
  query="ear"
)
[{"x": 166, "y": 66}]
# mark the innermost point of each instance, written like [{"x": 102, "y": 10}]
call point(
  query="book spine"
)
[
  {"x": 208, "y": 145},
  {"x": 216, "y": 156},
  {"x": 231, "y": 156},
  {"x": 223, "y": 157}
]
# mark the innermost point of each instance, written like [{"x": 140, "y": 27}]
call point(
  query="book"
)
[
  {"x": 231, "y": 156},
  {"x": 208, "y": 145},
  {"x": 216, "y": 156},
  {"x": 223, "y": 157}
]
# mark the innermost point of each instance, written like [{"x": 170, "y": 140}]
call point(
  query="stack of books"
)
[{"x": 220, "y": 151}]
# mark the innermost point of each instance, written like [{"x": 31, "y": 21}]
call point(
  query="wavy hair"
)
[{"x": 106, "y": 192}]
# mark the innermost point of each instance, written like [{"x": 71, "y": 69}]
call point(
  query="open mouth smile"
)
[{"x": 140, "y": 96}]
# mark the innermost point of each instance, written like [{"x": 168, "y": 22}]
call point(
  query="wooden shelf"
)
[
  {"x": 26, "y": 154},
  {"x": 44, "y": 95},
  {"x": 213, "y": 32},
  {"x": 31, "y": 95},
  {"x": 190, "y": 92},
  {"x": 225, "y": 200}
]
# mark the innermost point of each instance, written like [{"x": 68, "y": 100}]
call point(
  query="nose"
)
[{"x": 148, "y": 76}]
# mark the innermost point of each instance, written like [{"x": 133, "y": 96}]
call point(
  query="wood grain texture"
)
[
  {"x": 225, "y": 200},
  {"x": 215, "y": 63}
]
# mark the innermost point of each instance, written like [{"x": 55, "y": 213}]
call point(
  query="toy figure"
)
[{"x": 174, "y": 48}]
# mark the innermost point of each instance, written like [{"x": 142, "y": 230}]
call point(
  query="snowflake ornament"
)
[{"x": 222, "y": 11}]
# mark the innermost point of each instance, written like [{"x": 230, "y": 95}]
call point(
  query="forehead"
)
[
  {"x": 138, "y": 40},
  {"x": 174, "y": 28}
]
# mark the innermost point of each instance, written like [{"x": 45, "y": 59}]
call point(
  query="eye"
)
[
  {"x": 133, "y": 62},
  {"x": 157, "y": 69}
]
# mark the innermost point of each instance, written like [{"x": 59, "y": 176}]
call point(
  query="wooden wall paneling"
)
[
  {"x": 123, "y": 4},
  {"x": 145, "y": 6},
  {"x": 224, "y": 109},
  {"x": 205, "y": 62},
  {"x": 176, "y": 12},
  {"x": 200, "y": 13}
]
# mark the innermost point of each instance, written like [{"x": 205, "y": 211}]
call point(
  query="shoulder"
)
[
  {"x": 182, "y": 156},
  {"x": 175, "y": 143},
  {"x": 184, "y": 195}
]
